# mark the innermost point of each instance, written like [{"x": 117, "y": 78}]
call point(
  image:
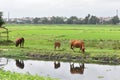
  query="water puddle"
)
[{"x": 62, "y": 70}]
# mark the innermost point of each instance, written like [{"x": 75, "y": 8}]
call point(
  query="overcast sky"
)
[{"x": 65, "y": 8}]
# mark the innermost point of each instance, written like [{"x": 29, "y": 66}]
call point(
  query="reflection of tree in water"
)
[
  {"x": 19, "y": 63},
  {"x": 77, "y": 69},
  {"x": 56, "y": 64}
]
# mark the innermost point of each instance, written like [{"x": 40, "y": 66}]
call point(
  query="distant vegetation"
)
[{"x": 89, "y": 19}]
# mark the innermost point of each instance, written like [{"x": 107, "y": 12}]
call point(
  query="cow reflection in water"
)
[
  {"x": 56, "y": 64},
  {"x": 78, "y": 69},
  {"x": 20, "y": 63}
]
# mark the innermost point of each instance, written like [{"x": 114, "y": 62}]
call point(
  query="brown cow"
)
[
  {"x": 57, "y": 44},
  {"x": 78, "y": 69},
  {"x": 20, "y": 41},
  {"x": 77, "y": 44}
]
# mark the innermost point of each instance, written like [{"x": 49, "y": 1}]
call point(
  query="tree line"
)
[{"x": 89, "y": 19}]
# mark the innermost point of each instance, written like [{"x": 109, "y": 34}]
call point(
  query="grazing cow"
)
[
  {"x": 20, "y": 64},
  {"x": 78, "y": 69},
  {"x": 57, "y": 45},
  {"x": 20, "y": 41},
  {"x": 77, "y": 44},
  {"x": 56, "y": 65}
]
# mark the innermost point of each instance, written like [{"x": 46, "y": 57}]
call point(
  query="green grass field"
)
[
  {"x": 102, "y": 43},
  {"x": 100, "y": 40}
]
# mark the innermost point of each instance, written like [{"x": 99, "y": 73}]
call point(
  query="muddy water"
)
[{"x": 62, "y": 70}]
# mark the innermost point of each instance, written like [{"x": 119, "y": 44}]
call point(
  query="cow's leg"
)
[
  {"x": 54, "y": 47},
  {"x": 72, "y": 47},
  {"x": 22, "y": 44},
  {"x": 58, "y": 46},
  {"x": 83, "y": 49}
]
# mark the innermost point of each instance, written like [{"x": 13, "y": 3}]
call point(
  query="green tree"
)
[
  {"x": 72, "y": 20},
  {"x": 115, "y": 20},
  {"x": 1, "y": 20},
  {"x": 87, "y": 18},
  {"x": 94, "y": 20},
  {"x": 45, "y": 20},
  {"x": 56, "y": 20},
  {"x": 36, "y": 20},
  {"x": 1, "y": 23},
  {"x": 59, "y": 20}
]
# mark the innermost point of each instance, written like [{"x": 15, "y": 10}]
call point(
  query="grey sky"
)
[{"x": 65, "y": 8}]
